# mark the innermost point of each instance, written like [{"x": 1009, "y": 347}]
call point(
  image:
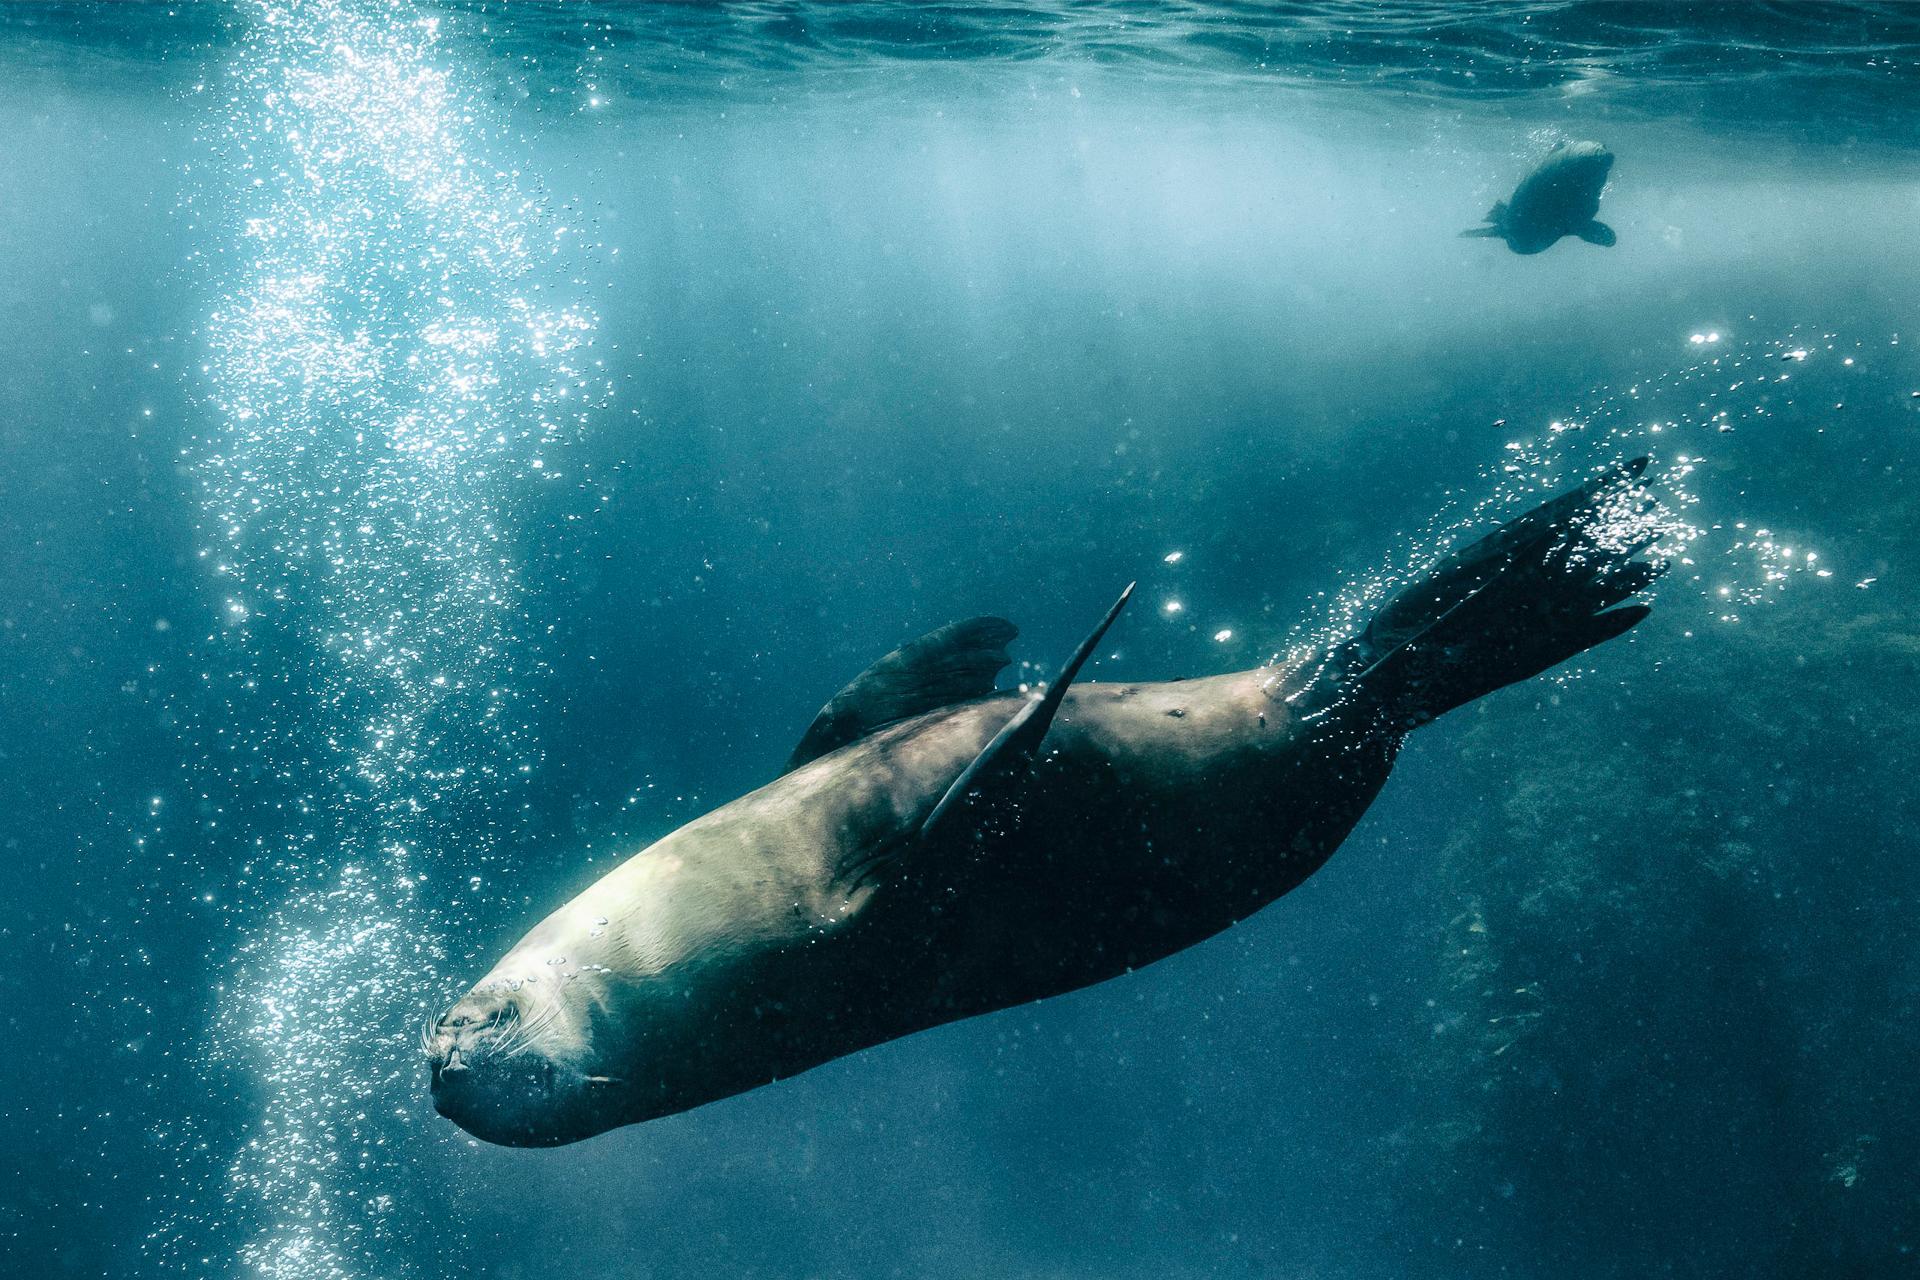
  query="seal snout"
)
[
  {"x": 494, "y": 1073},
  {"x": 447, "y": 1063},
  {"x": 465, "y": 1070},
  {"x": 465, "y": 1038}
]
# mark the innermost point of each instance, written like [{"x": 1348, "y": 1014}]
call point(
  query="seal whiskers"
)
[{"x": 523, "y": 1035}]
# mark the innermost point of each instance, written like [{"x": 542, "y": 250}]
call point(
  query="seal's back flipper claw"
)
[
  {"x": 1533, "y": 593},
  {"x": 1476, "y": 233}
]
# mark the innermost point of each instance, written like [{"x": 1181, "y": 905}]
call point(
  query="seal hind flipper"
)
[
  {"x": 1497, "y": 216},
  {"x": 1524, "y": 598},
  {"x": 952, "y": 664},
  {"x": 1005, "y": 761}
]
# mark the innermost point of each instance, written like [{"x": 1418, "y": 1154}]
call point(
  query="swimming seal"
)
[
  {"x": 937, "y": 849},
  {"x": 1558, "y": 198}
]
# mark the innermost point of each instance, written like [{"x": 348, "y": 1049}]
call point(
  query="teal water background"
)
[{"x": 829, "y": 324}]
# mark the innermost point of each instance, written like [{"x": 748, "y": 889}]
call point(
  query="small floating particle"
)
[
  {"x": 1864, "y": 583},
  {"x": 1223, "y": 635},
  {"x": 1174, "y": 557},
  {"x": 1172, "y": 606}
]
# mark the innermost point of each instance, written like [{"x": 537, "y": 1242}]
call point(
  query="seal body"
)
[
  {"x": 891, "y": 883},
  {"x": 1560, "y": 197}
]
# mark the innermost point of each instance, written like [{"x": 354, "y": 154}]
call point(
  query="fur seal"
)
[
  {"x": 1558, "y": 198},
  {"x": 937, "y": 849}
]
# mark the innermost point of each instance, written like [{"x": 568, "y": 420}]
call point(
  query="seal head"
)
[{"x": 508, "y": 1065}]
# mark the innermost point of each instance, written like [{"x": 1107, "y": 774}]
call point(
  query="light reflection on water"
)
[{"x": 1748, "y": 67}]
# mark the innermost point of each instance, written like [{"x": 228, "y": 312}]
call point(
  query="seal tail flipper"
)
[
  {"x": 1597, "y": 232},
  {"x": 1472, "y": 233},
  {"x": 1526, "y": 597}
]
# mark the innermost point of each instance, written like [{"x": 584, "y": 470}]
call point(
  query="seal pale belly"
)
[{"x": 939, "y": 850}]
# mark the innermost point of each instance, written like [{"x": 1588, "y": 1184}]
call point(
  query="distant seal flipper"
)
[
  {"x": 1003, "y": 763},
  {"x": 1526, "y": 597},
  {"x": 953, "y": 664},
  {"x": 1498, "y": 217},
  {"x": 1597, "y": 232}
]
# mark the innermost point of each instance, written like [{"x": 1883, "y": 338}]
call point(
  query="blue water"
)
[{"x": 447, "y": 446}]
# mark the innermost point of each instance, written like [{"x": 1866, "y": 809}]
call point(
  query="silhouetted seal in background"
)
[
  {"x": 1559, "y": 198},
  {"x": 937, "y": 849}
]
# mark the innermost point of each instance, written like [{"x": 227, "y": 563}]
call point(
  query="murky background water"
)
[{"x": 449, "y": 445}]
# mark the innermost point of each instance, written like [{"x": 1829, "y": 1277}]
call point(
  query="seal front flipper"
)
[
  {"x": 984, "y": 789},
  {"x": 1597, "y": 232},
  {"x": 956, "y": 663}
]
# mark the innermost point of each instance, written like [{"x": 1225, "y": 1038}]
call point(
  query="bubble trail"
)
[
  {"x": 386, "y": 393},
  {"x": 1676, "y": 416}
]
